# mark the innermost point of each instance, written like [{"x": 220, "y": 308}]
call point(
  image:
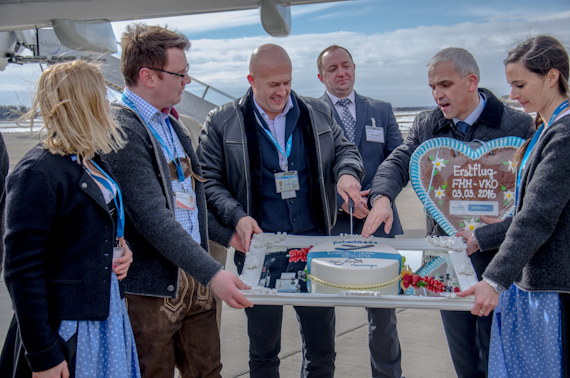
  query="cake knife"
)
[{"x": 351, "y": 208}]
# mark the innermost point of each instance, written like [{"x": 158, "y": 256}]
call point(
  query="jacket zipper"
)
[
  {"x": 324, "y": 199},
  {"x": 246, "y": 173}
]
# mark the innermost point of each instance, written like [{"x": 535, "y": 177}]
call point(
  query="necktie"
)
[
  {"x": 347, "y": 120},
  {"x": 463, "y": 126}
]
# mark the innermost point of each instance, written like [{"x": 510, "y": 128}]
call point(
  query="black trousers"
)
[
  {"x": 468, "y": 336},
  {"x": 317, "y": 328}
]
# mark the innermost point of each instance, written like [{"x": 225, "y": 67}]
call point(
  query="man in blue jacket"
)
[
  {"x": 466, "y": 113},
  {"x": 369, "y": 124}
]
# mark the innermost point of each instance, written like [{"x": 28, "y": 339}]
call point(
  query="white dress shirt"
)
[
  {"x": 339, "y": 108},
  {"x": 473, "y": 117},
  {"x": 277, "y": 128}
]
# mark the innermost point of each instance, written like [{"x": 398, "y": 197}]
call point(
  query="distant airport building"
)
[{"x": 509, "y": 102}]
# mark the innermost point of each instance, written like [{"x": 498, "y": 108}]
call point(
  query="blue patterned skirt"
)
[
  {"x": 105, "y": 349},
  {"x": 526, "y": 339}
]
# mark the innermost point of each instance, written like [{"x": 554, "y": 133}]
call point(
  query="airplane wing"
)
[
  {"x": 85, "y": 25},
  {"x": 30, "y": 14}
]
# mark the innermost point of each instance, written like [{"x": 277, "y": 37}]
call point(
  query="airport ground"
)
[{"x": 424, "y": 347}]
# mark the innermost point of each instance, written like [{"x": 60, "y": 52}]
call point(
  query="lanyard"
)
[
  {"x": 119, "y": 204},
  {"x": 535, "y": 138},
  {"x": 288, "y": 146},
  {"x": 265, "y": 128},
  {"x": 176, "y": 161},
  {"x": 556, "y": 113}
]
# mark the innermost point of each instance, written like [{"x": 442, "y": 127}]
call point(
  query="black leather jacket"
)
[{"x": 230, "y": 157}]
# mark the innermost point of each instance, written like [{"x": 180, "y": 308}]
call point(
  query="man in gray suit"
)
[{"x": 369, "y": 124}]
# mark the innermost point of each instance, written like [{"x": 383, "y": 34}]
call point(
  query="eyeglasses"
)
[{"x": 180, "y": 75}]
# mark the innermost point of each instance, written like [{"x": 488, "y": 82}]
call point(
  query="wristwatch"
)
[
  {"x": 498, "y": 288},
  {"x": 475, "y": 241},
  {"x": 376, "y": 196}
]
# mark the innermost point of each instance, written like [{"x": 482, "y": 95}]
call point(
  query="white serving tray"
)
[
  {"x": 355, "y": 299},
  {"x": 410, "y": 248}
]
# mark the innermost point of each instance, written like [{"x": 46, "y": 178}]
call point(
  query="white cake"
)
[
  {"x": 354, "y": 264},
  {"x": 348, "y": 262}
]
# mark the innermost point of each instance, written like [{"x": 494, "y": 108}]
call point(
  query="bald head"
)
[
  {"x": 270, "y": 78},
  {"x": 267, "y": 57}
]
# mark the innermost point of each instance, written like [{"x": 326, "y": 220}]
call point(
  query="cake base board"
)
[
  {"x": 357, "y": 299},
  {"x": 264, "y": 296}
]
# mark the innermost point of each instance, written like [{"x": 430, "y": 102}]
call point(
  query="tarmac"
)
[{"x": 424, "y": 347}]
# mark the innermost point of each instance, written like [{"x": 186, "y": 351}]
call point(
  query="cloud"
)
[
  {"x": 390, "y": 66},
  {"x": 343, "y": 13},
  {"x": 519, "y": 13},
  {"x": 313, "y": 8},
  {"x": 18, "y": 84},
  {"x": 12, "y": 87}
]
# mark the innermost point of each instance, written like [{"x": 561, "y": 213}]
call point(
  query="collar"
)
[
  {"x": 351, "y": 97},
  {"x": 566, "y": 113},
  {"x": 491, "y": 115},
  {"x": 144, "y": 108},
  {"x": 474, "y": 116},
  {"x": 288, "y": 107}
]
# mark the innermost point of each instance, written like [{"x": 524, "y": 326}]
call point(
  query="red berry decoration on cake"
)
[
  {"x": 296, "y": 255},
  {"x": 416, "y": 281}
]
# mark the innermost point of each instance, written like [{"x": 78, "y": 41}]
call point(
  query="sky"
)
[{"x": 391, "y": 43}]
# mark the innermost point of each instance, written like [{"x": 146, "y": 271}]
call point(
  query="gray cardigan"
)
[
  {"x": 535, "y": 253},
  {"x": 159, "y": 243}
]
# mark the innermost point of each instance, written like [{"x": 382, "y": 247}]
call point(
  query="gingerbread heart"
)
[{"x": 458, "y": 182}]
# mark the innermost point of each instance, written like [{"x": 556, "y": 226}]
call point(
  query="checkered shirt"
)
[{"x": 156, "y": 119}]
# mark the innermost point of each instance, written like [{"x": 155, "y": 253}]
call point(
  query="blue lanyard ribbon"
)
[
  {"x": 118, "y": 204},
  {"x": 530, "y": 146},
  {"x": 265, "y": 128},
  {"x": 288, "y": 145},
  {"x": 175, "y": 160}
]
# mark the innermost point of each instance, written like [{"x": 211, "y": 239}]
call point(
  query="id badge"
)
[
  {"x": 374, "y": 134},
  {"x": 185, "y": 200},
  {"x": 118, "y": 252},
  {"x": 289, "y": 285},
  {"x": 287, "y": 183}
]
